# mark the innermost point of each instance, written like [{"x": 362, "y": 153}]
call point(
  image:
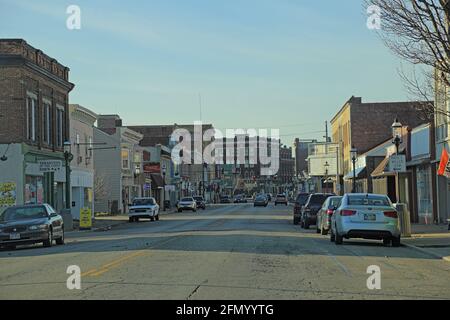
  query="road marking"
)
[{"x": 105, "y": 268}]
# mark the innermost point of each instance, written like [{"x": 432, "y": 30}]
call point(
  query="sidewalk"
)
[{"x": 433, "y": 240}]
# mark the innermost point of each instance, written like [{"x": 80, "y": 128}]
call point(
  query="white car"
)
[
  {"x": 187, "y": 203},
  {"x": 367, "y": 216},
  {"x": 143, "y": 208}
]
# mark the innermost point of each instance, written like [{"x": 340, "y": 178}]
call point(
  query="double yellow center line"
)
[{"x": 113, "y": 264}]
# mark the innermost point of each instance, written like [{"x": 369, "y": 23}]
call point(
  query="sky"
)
[{"x": 283, "y": 64}]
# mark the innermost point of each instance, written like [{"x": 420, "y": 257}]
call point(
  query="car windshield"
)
[
  {"x": 198, "y": 198},
  {"x": 302, "y": 198},
  {"x": 260, "y": 198},
  {"x": 144, "y": 202},
  {"x": 318, "y": 199},
  {"x": 22, "y": 213},
  {"x": 186, "y": 199},
  {"x": 368, "y": 200}
]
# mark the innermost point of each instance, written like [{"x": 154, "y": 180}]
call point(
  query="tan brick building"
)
[{"x": 34, "y": 121}]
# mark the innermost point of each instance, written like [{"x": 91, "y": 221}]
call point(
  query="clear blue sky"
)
[{"x": 288, "y": 64}]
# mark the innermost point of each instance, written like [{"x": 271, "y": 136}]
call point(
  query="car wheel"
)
[
  {"x": 332, "y": 236},
  {"x": 130, "y": 219},
  {"x": 157, "y": 217},
  {"x": 49, "y": 242},
  {"x": 339, "y": 239},
  {"x": 386, "y": 242},
  {"x": 152, "y": 218},
  {"x": 179, "y": 210},
  {"x": 396, "y": 242},
  {"x": 323, "y": 232},
  {"x": 306, "y": 225},
  {"x": 136, "y": 219},
  {"x": 60, "y": 240},
  {"x": 295, "y": 221}
]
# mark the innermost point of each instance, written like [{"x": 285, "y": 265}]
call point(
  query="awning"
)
[
  {"x": 359, "y": 172},
  {"x": 157, "y": 181},
  {"x": 381, "y": 170}
]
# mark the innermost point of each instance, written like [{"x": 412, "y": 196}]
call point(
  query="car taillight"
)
[
  {"x": 330, "y": 212},
  {"x": 391, "y": 214},
  {"x": 346, "y": 213}
]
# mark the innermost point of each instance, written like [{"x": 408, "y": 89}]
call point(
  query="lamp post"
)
[
  {"x": 326, "y": 165},
  {"x": 397, "y": 134},
  {"x": 354, "y": 154},
  {"x": 164, "y": 186},
  {"x": 68, "y": 157}
]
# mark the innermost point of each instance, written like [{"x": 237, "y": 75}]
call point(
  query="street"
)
[{"x": 231, "y": 251}]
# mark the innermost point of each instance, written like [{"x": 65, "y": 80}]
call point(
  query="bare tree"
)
[{"x": 418, "y": 31}]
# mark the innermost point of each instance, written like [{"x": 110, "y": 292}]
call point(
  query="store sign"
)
[
  {"x": 7, "y": 194},
  {"x": 50, "y": 165},
  {"x": 152, "y": 168},
  {"x": 444, "y": 165},
  {"x": 170, "y": 187},
  {"x": 85, "y": 218},
  {"x": 397, "y": 163}
]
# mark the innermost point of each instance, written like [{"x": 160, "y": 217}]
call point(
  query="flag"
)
[{"x": 443, "y": 171}]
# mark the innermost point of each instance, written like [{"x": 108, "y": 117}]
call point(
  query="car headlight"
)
[{"x": 38, "y": 227}]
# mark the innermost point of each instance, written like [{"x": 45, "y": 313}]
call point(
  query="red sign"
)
[
  {"x": 442, "y": 171},
  {"x": 152, "y": 168}
]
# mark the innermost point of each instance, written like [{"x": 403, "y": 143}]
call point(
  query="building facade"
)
[
  {"x": 34, "y": 123},
  {"x": 82, "y": 122}
]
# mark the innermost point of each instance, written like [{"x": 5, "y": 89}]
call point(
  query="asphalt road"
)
[{"x": 225, "y": 252}]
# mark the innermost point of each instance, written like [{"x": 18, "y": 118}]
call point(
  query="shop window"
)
[{"x": 34, "y": 190}]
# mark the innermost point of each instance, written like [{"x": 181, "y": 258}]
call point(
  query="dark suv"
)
[
  {"x": 299, "y": 203},
  {"x": 309, "y": 211},
  {"x": 201, "y": 204}
]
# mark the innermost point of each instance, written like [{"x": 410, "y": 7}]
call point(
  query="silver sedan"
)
[{"x": 367, "y": 216}]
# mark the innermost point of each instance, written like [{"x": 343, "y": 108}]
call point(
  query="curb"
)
[{"x": 427, "y": 252}]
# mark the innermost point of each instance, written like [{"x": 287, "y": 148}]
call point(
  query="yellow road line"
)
[{"x": 106, "y": 267}]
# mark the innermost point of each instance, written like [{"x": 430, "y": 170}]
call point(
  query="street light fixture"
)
[
  {"x": 164, "y": 186},
  {"x": 68, "y": 157},
  {"x": 397, "y": 134},
  {"x": 354, "y": 155}
]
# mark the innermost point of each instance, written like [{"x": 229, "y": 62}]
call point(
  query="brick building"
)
[
  {"x": 34, "y": 122},
  {"x": 366, "y": 125}
]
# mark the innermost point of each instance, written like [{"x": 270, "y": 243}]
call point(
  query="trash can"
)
[
  {"x": 404, "y": 219},
  {"x": 166, "y": 204}
]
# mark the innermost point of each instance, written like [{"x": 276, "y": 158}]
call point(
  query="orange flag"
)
[{"x": 444, "y": 162}]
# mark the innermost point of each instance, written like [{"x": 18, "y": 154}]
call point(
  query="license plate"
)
[
  {"x": 370, "y": 217},
  {"x": 14, "y": 236}
]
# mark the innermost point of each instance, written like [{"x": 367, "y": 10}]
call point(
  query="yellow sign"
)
[
  {"x": 85, "y": 218},
  {"x": 7, "y": 194}
]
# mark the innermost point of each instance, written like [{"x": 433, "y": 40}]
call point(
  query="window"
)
[
  {"x": 31, "y": 118},
  {"x": 46, "y": 123},
  {"x": 59, "y": 126},
  {"x": 125, "y": 159}
]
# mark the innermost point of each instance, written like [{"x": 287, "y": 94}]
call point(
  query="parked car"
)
[
  {"x": 281, "y": 199},
  {"x": 187, "y": 203},
  {"x": 309, "y": 210},
  {"x": 225, "y": 199},
  {"x": 200, "y": 202},
  {"x": 261, "y": 201},
  {"x": 240, "y": 198},
  {"x": 145, "y": 208},
  {"x": 325, "y": 213},
  {"x": 299, "y": 203},
  {"x": 367, "y": 216},
  {"x": 31, "y": 224}
]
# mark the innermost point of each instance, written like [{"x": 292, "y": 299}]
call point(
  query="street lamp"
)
[
  {"x": 68, "y": 157},
  {"x": 354, "y": 155},
  {"x": 397, "y": 134},
  {"x": 326, "y": 165},
  {"x": 164, "y": 187}
]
